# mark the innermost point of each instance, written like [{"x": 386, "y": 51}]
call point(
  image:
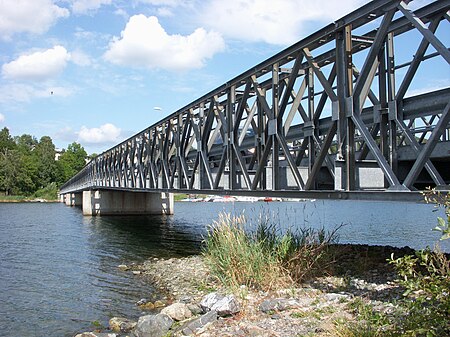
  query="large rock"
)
[
  {"x": 152, "y": 326},
  {"x": 177, "y": 311},
  {"x": 195, "y": 308},
  {"x": 120, "y": 324},
  {"x": 223, "y": 305},
  {"x": 200, "y": 322}
]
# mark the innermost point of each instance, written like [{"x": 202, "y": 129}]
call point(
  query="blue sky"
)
[{"x": 98, "y": 71}]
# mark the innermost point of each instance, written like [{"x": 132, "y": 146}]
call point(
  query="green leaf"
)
[
  {"x": 445, "y": 236},
  {"x": 441, "y": 222}
]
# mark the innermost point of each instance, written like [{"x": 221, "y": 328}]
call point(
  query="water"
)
[{"x": 58, "y": 269}]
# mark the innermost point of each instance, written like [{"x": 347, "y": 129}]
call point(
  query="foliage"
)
[
  {"x": 424, "y": 309},
  {"x": 263, "y": 259},
  {"x": 369, "y": 323},
  {"x": 72, "y": 160},
  {"x": 49, "y": 192},
  {"x": 426, "y": 278},
  {"x": 8, "y": 170},
  {"x": 440, "y": 199},
  {"x": 28, "y": 166},
  {"x": 6, "y": 141}
]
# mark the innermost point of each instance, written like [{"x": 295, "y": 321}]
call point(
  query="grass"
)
[
  {"x": 264, "y": 259},
  {"x": 13, "y": 198},
  {"x": 49, "y": 193},
  {"x": 181, "y": 196}
]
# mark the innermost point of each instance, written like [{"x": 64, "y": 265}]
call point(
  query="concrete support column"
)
[
  {"x": 107, "y": 202},
  {"x": 61, "y": 198},
  {"x": 73, "y": 199},
  {"x": 68, "y": 199}
]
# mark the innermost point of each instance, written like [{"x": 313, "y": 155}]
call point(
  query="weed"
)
[
  {"x": 264, "y": 259},
  {"x": 299, "y": 314}
]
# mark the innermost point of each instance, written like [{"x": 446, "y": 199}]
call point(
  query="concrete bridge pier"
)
[
  {"x": 73, "y": 199},
  {"x": 108, "y": 202}
]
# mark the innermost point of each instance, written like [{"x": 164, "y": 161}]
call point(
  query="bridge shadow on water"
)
[{"x": 140, "y": 237}]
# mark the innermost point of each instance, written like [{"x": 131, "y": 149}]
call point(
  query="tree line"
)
[{"x": 28, "y": 165}]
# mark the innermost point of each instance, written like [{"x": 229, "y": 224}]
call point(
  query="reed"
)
[{"x": 264, "y": 259}]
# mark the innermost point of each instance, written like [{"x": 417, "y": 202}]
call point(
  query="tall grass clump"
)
[{"x": 263, "y": 259}]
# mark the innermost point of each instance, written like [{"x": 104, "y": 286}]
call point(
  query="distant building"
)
[{"x": 58, "y": 153}]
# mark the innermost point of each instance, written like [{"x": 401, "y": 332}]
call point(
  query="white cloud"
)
[
  {"x": 107, "y": 133},
  {"x": 80, "y": 58},
  {"x": 281, "y": 22},
  {"x": 37, "y": 66},
  {"x": 2, "y": 118},
  {"x": 424, "y": 87},
  {"x": 170, "y": 3},
  {"x": 164, "y": 11},
  {"x": 23, "y": 93},
  {"x": 65, "y": 133},
  {"x": 122, "y": 13},
  {"x": 34, "y": 16},
  {"x": 86, "y": 6},
  {"x": 145, "y": 43}
]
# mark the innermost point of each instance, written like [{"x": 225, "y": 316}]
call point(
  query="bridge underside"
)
[
  {"x": 117, "y": 202},
  {"x": 336, "y": 115}
]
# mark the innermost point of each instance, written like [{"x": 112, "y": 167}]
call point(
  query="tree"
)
[
  {"x": 28, "y": 179},
  {"x": 6, "y": 141},
  {"x": 72, "y": 160},
  {"x": 45, "y": 157},
  {"x": 9, "y": 164},
  {"x": 26, "y": 143},
  {"x": 10, "y": 170}
]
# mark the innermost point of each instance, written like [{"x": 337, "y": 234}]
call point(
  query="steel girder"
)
[{"x": 336, "y": 96}]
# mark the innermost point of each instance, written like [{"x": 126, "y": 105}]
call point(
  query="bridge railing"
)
[{"x": 330, "y": 112}]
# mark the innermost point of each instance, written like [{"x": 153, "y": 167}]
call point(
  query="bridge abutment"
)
[{"x": 107, "y": 202}]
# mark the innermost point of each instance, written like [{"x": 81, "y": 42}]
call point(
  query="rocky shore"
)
[{"x": 196, "y": 305}]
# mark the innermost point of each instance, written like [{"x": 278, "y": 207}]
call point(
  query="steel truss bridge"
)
[{"x": 332, "y": 116}]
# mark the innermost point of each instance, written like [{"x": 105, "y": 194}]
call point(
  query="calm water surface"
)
[{"x": 58, "y": 269}]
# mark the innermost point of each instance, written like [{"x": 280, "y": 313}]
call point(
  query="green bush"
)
[
  {"x": 426, "y": 278},
  {"x": 263, "y": 259},
  {"x": 49, "y": 192},
  {"x": 424, "y": 309},
  {"x": 440, "y": 200}
]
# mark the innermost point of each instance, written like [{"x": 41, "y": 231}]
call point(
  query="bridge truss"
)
[{"x": 326, "y": 116}]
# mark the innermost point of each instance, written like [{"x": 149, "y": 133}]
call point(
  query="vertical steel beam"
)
[
  {"x": 346, "y": 129},
  {"x": 311, "y": 130},
  {"x": 274, "y": 126},
  {"x": 380, "y": 112},
  {"x": 230, "y": 116},
  {"x": 392, "y": 103}
]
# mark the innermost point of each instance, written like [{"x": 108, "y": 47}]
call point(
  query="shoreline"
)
[
  {"x": 311, "y": 308},
  {"x": 37, "y": 200}
]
